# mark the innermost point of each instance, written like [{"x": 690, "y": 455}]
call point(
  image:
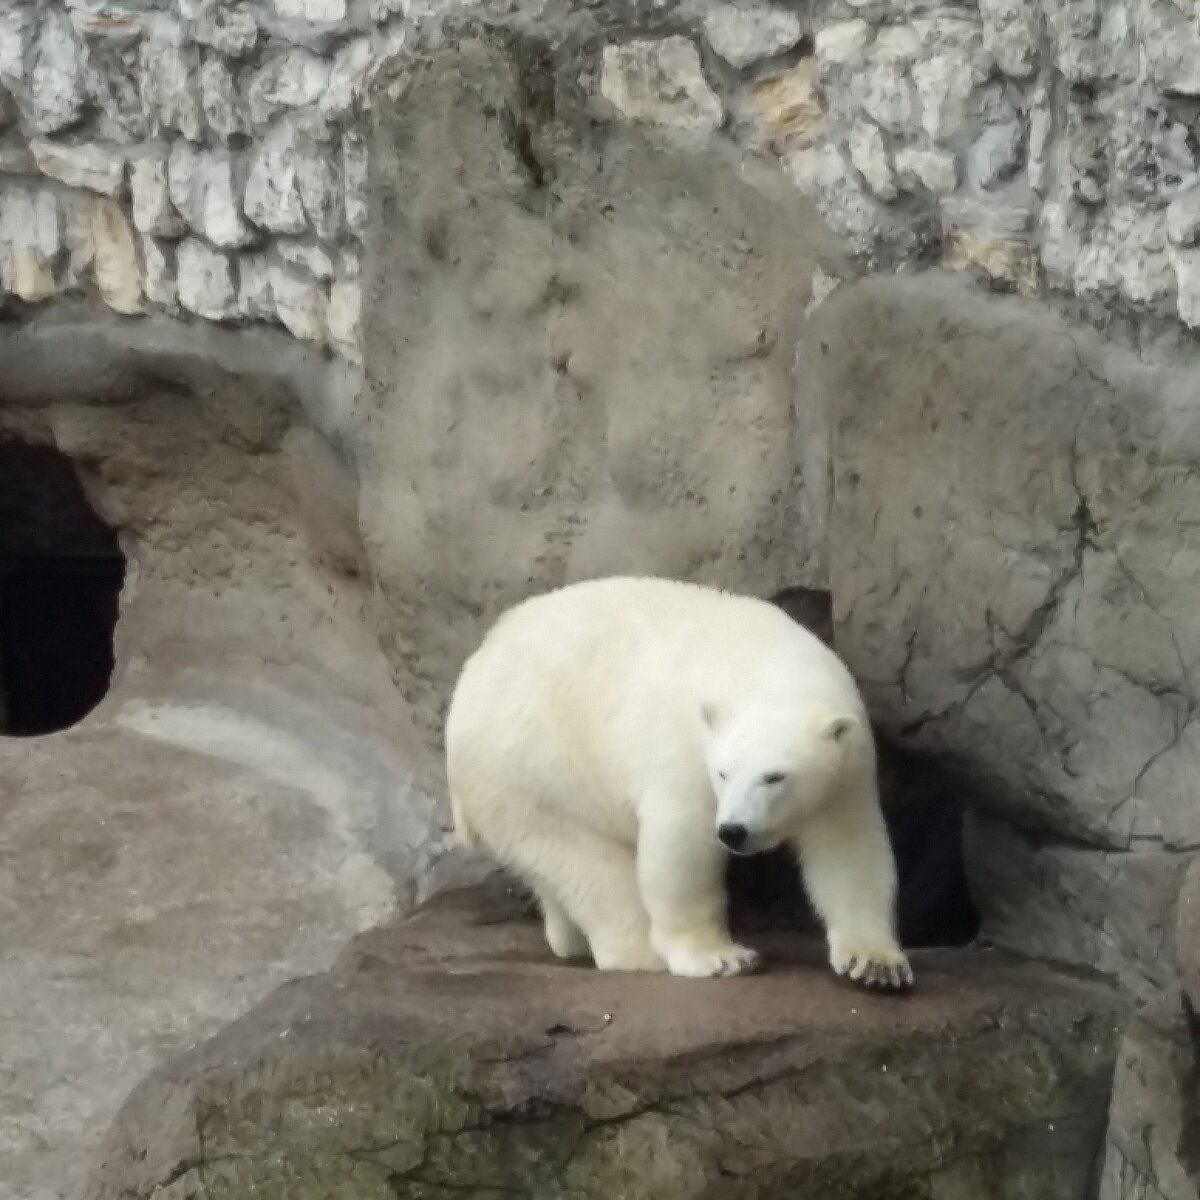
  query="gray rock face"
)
[
  {"x": 1011, "y": 563},
  {"x": 245, "y": 799},
  {"x": 410, "y": 1066},
  {"x": 1039, "y": 627},
  {"x": 650, "y": 435}
]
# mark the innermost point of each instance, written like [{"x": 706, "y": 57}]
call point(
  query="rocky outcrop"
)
[
  {"x": 447, "y": 1056},
  {"x": 1012, "y": 560},
  {"x": 585, "y": 383}
]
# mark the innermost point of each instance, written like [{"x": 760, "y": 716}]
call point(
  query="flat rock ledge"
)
[{"x": 447, "y": 1056}]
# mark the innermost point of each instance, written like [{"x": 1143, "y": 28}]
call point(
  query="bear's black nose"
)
[{"x": 733, "y": 836}]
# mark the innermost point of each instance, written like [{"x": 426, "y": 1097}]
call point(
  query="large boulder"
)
[
  {"x": 450, "y": 1056},
  {"x": 579, "y": 331}
]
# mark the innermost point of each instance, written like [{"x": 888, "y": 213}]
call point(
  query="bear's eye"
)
[
  {"x": 773, "y": 777},
  {"x": 722, "y": 775}
]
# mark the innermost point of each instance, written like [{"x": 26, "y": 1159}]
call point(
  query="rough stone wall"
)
[
  {"x": 207, "y": 157},
  {"x": 197, "y": 157}
]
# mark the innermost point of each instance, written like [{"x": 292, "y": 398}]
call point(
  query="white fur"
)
[{"x": 603, "y": 731}]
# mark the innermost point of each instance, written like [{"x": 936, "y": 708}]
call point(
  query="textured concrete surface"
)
[
  {"x": 240, "y": 804},
  {"x": 451, "y": 1056},
  {"x": 1013, "y": 559},
  {"x": 596, "y": 369}
]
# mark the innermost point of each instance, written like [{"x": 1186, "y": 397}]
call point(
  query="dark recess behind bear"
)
[{"x": 923, "y": 809}]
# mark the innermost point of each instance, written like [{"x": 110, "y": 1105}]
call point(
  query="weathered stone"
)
[
  {"x": 325, "y": 11},
  {"x": 1124, "y": 252},
  {"x": 272, "y": 200},
  {"x": 349, "y": 75},
  {"x": 824, "y": 175},
  {"x": 747, "y": 32},
  {"x": 354, "y": 179},
  {"x": 1040, "y": 123},
  {"x": 842, "y": 43},
  {"x": 229, "y": 28},
  {"x": 896, "y": 44},
  {"x": 170, "y": 82},
  {"x": 1045, "y": 593},
  {"x": 1110, "y": 911},
  {"x": 660, "y": 83},
  {"x": 787, "y": 104},
  {"x": 203, "y": 191},
  {"x": 118, "y": 275},
  {"x": 75, "y": 213},
  {"x": 56, "y": 80},
  {"x": 16, "y": 35},
  {"x": 1011, "y": 34},
  {"x": 934, "y": 170},
  {"x": 1170, "y": 40},
  {"x": 310, "y": 257},
  {"x": 1006, "y": 260},
  {"x": 112, "y": 36},
  {"x": 159, "y": 259},
  {"x": 153, "y": 212},
  {"x": 30, "y": 243},
  {"x": 996, "y": 155},
  {"x": 300, "y": 303},
  {"x": 15, "y": 157},
  {"x": 96, "y": 168},
  {"x": 220, "y": 101},
  {"x": 205, "y": 281},
  {"x": 342, "y": 319},
  {"x": 869, "y": 155},
  {"x": 884, "y": 93},
  {"x": 945, "y": 83},
  {"x": 1150, "y": 1151},
  {"x": 1187, "y": 932},
  {"x": 1183, "y": 218},
  {"x": 1186, "y": 265},
  {"x": 322, "y": 191},
  {"x": 629, "y": 1106},
  {"x": 288, "y": 80},
  {"x": 254, "y": 288}
]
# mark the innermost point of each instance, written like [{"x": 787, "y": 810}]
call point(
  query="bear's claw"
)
[
  {"x": 709, "y": 964},
  {"x": 889, "y": 970}
]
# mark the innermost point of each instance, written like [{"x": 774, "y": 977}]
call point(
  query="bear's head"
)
[{"x": 770, "y": 768}]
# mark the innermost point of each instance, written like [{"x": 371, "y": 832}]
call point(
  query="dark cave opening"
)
[
  {"x": 923, "y": 808},
  {"x": 61, "y": 572}
]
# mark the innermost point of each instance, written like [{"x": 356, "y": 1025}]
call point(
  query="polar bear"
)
[{"x": 611, "y": 741}]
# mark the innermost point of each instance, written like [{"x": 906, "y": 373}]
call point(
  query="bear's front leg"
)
[
  {"x": 681, "y": 875},
  {"x": 850, "y": 875}
]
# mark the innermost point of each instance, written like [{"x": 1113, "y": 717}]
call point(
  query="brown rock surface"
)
[{"x": 448, "y": 1056}]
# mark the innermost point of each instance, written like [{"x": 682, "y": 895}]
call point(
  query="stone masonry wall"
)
[{"x": 206, "y": 156}]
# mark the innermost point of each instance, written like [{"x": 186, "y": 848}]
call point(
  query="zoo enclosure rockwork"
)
[{"x": 490, "y": 178}]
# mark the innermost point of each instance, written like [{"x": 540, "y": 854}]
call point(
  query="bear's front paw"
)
[
  {"x": 695, "y": 963},
  {"x": 873, "y": 964}
]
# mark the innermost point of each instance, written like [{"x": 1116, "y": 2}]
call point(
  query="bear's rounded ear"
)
[
  {"x": 708, "y": 710},
  {"x": 837, "y": 728}
]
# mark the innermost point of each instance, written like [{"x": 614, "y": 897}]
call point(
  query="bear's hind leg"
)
[
  {"x": 593, "y": 881},
  {"x": 563, "y": 936}
]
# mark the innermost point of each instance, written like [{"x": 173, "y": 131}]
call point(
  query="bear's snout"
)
[{"x": 733, "y": 837}]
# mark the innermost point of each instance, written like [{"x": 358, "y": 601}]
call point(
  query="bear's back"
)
[{"x": 646, "y": 633}]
